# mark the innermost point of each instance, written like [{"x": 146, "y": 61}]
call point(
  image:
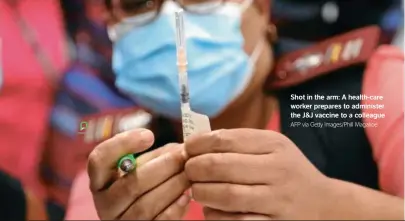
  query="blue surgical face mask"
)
[{"x": 144, "y": 60}]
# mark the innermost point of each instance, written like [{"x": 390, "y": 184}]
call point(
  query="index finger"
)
[
  {"x": 102, "y": 163},
  {"x": 244, "y": 141}
]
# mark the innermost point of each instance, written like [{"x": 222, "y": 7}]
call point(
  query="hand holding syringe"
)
[{"x": 192, "y": 122}]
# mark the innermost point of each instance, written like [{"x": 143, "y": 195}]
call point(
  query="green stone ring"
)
[{"x": 127, "y": 163}]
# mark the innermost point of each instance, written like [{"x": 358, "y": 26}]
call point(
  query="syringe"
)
[{"x": 192, "y": 122}]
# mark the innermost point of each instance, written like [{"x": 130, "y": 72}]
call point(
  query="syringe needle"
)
[
  {"x": 180, "y": 41},
  {"x": 180, "y": 36}
]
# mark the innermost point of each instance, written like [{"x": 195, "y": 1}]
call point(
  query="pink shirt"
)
[
  {"x": 25, "y": 95},
  {"x": 383, "y": 76}
]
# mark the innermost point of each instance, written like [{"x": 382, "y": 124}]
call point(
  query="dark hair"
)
[{"x": 126, "y": 5}]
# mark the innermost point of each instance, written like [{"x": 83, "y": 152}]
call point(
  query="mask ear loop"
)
[
  {"x": 257, "y": 51},
  {"x": 245, "y": 5},
  {"x": 271, "y": 35}
]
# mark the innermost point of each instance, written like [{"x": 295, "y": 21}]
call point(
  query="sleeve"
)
[
  {"x": 12, "y": 199},
  {"x": 384, "y": 76}
]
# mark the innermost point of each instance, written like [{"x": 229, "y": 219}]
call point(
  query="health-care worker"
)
[{"x": 243, "y": 174}]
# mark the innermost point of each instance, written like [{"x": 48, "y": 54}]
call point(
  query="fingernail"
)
[
  {"x": 147, "y": 136},
  {"x": 189, "y": 193},
  {"x": 184, "y": 200}
]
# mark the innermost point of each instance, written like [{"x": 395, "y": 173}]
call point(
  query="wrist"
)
[
  {"x": 324, "y": 202},
  {"x": 349, "y": 201},
  {"x": 332, "y": 195}
]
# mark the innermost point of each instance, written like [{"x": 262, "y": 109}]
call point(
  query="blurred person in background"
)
[
  {"x": 34, "y": 54},
  {"x": 87, "y": 94},
  {"x": 85, "y": 89},
  {"x": 369, "y": 157},
  {"x": 43, "y": 164}
]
